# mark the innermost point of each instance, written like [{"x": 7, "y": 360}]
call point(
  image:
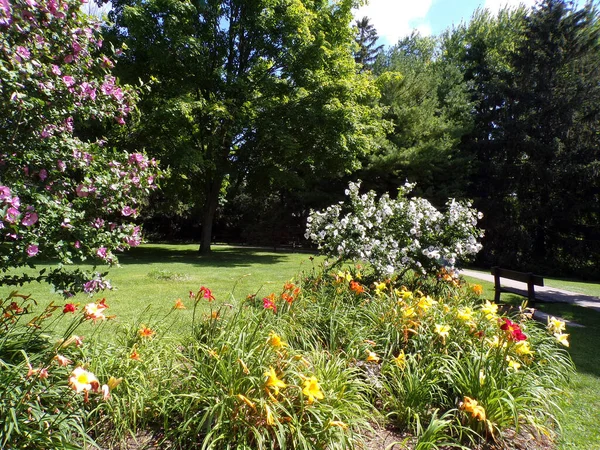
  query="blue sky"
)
[{"x": 394, "y": 19}]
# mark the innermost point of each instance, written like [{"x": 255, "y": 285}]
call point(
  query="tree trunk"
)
[{"x": 208, "y": 214}]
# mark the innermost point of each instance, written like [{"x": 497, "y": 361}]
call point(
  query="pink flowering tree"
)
[{"x": 62, "y": 197}]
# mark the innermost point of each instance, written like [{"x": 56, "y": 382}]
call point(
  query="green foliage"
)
[
  {"x": 262, "y": 92},
  {"x": 426, "y": 102},
  {"x": 366, "y": 40},
  {"x": 534, "y": 82}
]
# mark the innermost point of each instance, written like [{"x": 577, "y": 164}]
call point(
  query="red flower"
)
[
  {"x": 69, "y": 307},
  {"x": 15, "y": 307},
  {"x": 513, "y": 331},
  {"x": 206, "y": 293},
  {"x": 269, "y": 303}
]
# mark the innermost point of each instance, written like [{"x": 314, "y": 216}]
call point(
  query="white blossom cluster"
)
[{"x": 395, "y": 234}]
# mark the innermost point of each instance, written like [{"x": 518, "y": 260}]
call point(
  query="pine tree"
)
[{"x": 366, "y": 38}]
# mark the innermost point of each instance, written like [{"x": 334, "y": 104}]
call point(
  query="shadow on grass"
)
[
  {"x": 219, "y": 257},
  {"x": 585, "y": 342}
]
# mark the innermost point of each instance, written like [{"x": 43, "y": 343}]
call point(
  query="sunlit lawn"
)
[
  {"x": 151, "y": 277},
  {"x": 581, "y": 407}
]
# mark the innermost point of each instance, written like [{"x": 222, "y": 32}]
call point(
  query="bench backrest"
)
[{"x": 525, "y": 277}]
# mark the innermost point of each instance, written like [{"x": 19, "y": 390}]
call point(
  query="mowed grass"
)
[
  {"x": 153, "y": 276},
  {"x": 581, "y": 406}
]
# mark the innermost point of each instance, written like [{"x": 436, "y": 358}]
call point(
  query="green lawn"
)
[
  {"x": 581, "y": 406},
  {"x": 153, "y": 276}
]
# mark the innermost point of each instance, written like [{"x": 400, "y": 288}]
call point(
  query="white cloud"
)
[
  {"x": 394, "y": 19},
  {"x": 496, "y": 5}
]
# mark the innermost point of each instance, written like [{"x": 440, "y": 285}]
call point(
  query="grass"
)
[
  {"x": 151, "y": 277},
  {"x": 581, "y": 407}
]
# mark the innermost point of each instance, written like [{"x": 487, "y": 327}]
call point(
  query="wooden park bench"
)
[{"x": 525, "y": 277}]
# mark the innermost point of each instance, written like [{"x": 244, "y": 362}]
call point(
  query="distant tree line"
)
[{"x": 264, "y": 109}]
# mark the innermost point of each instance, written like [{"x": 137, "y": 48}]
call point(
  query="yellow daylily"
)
[
  {"x": 471, "y": 406},
  {"x": 270, "y": 418},
  {"x": 512, "y": 364},
  {"x": 273, "y": 381},
  {"x": 400, "y": 360},
  {"x": 380, "y": 287},
  {"x": 312, "y": 390},
  {"x": 408, "y": 312},
  {"x": 523, "y": 348},
  {"x": 425, "y": 302},
  {"x": 465, "y": 314},
  {"x": 247, "y": 401},
  {"x": 555, "y": 326},
  {"x": 275, "y": 340},
  {"x": 562, "y": 338},
  {"x": 442, "y": 330},
  {"x": 372, "y": 356},
  {"x": 490, "y": 310},
  {"x": 338, "y": 423}
]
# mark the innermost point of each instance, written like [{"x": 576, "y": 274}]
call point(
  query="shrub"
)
[
  {"x": 394, "y": 235},
  {"x": 62, "y": 196}
]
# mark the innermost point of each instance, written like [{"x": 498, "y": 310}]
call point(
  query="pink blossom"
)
[
  {"x": 121, "y": 121},
  {"x": 133, "y": 241},
  {"x": 56, "y": 70},
  {"x": 15, "y": 202},
  {"x": 6, "y": 10},
  {"x": 46, "y": 132},
  {"x": 98, "y": 223},
  {"x": 12, "y": 215},
  {"x": 29, "y": 219},
  {"x": 4, "y": 193},
  {"x": 69, "y": 124},
  {"x": 68, "y": 80},
  {"x": 22, "y": 53},
  {"x": 69, "y": 59},
  {"x": 43, "y": 174},
  {"x": 76, "y": 48},
  {"x": 127, "y": 211},
  {"x": 61, "y": 165},
  {"x": 31, "y": 3},
  {"x": 101, "y": 252},
  {"x": 81, "y": 191},
  {"x": 106, "y": 62},
  {"x": 32, "y": 250},
  {"x": 77, "y": 244}
]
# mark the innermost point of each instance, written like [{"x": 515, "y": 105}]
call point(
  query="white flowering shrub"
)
[{"x": 394, "y": 235}]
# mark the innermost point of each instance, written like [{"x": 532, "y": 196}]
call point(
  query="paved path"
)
[{"x": 543, "y": 293}]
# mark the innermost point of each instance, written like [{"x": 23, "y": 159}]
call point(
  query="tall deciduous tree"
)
[
  {"x": 366, "y": 38},
  {"x": 253, "y": 89}
]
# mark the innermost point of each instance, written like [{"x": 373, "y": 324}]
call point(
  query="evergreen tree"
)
[{"x": 366, "y": 38}]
